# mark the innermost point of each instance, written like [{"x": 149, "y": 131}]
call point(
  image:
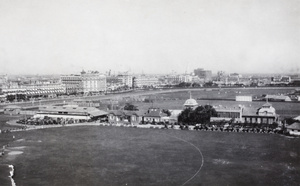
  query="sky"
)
[{"x": 151, "y": 36}]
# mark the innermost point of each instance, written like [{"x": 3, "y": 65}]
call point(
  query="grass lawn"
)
[
  {"x": 4, "y": 118},
  {"x": 97, "y": 155}
]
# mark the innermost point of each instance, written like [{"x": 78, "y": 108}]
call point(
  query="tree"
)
[
  {"x": 186, "y": 116},
  {"x": 201, "y": 114},
  {"x": 196, "y": 85},
  {"x": 131, "y": 107},
  {"x": 10, "y": 98},
  {"x": 289, "y": 120},
  {"x": 166, "y": 111},
  {"x": 183, "y": 84},
  {"x": 208, "y": 84}
]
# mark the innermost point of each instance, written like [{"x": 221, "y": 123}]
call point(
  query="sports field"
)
[
  {"x": 99, "y": 155},
  {"x": 224, "y": 97}
]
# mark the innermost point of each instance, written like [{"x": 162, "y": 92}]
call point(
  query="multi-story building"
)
[
  {"x": 93, "y": 82},
  {"x": 113, "y": 82},
  {"x": 264, "y": 115},
  {"x": 119, "y": 81},
  {"x": 126, "y": 79},
  {"x": 280, "y": 80},
  {"x": 146, "y": 80},
  {"x": 37, "y": 90},
  {"x": 206, "y": 75},
  {"x": 173, "y": 79},
  {"x": 295, "y": 77},
  {"x": 30, "y": 87},
  {"x": 286, "y": 79},
  {"x": 190, "y": 78},
  {"x": 73, "y": 83}
]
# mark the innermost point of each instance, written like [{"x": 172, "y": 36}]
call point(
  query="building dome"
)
[{"x": 190, "y": 103}]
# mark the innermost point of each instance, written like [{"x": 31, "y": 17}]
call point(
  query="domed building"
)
[{"x": 190, "y": 103}]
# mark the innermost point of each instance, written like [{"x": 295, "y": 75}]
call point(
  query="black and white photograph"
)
[{"x": 149, "y": 92}]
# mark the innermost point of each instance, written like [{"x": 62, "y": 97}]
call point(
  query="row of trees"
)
[
  {"x": 16, "y": 97},
  {"x": 131, "y": 107},
  {"x": 201, "y": 114}
]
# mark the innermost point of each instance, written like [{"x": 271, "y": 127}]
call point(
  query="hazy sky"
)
[{"x": 150, "y": 36}]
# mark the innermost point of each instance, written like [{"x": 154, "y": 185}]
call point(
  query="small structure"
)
[
  {"x": 125, "y": 116},
  {"x": 227, "y": 114},
  {"x": 267, "y": 110},
  {"x": 190, "y": 103},
  {"x": 264, "y": 115},
  {"x": 155, "y": 115},
  {"x": 277, "y": 98},
  {"x": 293, "y": 129},
  {"x": 86, "y": 103},
  {"x": 243, "y": 98},
  {"x": 297, "y": 118},
  {"x": 12, "y": 110},
  {"x": 71, "y": 112}
]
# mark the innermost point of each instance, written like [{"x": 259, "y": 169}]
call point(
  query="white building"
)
[
  {"x": 37, "y": 89},
  {"x": 264, "y": 115},
  {"x": 126, "y": 79},
  {"x": 277, "y": 98},
  {"x": 146, "y": 80},
  {"x": 73, "y": 83},
  {"x": 267, "y": 110},
  {"x": 185, "y": 78},
  {"x": 70, "y": 112},
  {"x": 93, "y": 82},
  {"x": 190, "y": 103},
  {"x": 243, "y": 98}
]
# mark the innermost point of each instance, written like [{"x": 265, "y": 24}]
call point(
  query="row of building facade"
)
[{"x": 93, "y": 82}]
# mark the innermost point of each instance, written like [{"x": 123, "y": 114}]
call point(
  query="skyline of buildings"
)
[
  {"x": 142, "y": 72},
  {"x": 95, "y": 82}
]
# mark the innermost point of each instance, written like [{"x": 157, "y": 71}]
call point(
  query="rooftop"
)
[
  {"x": 155, "y": 113},
  {"x": 295, "y": 125},
  {"x": 297, "y": 118},
  {"x": 73, "y": 109},
  {"x": 191, "y": 102},
  {"x": 126, "y": 112}
]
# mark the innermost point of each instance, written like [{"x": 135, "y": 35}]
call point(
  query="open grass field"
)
[
  {"x": 95, "y": 155},
  {"x": 175, "y": 100},
  {"x": 4, "y": 118},
  {"x": 228, "y": 93}
]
